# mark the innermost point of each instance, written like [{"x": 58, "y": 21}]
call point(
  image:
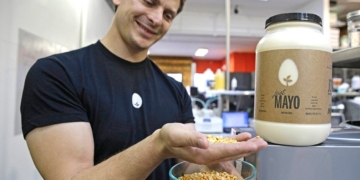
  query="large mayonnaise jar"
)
[{"x": 293, "y": 81}]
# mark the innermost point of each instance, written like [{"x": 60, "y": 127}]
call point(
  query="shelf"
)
[
  {"x": 347, "y": 58},
  {"x": 348, "y": 94},
  {"x": 224, "y": 92},
  {"x": 338, "y": 24}
]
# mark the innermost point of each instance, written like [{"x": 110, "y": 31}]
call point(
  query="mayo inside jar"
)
[{"x": 293, "y": 81}]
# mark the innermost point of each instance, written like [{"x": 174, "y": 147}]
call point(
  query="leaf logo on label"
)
[
  {"x": 288, "y": 73},
  {"x": 136, "y": 100}
]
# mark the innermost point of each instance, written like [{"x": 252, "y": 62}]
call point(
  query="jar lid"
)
[
  {"x": 293, "y": 17},
  {"x": 353, "y": 14}
]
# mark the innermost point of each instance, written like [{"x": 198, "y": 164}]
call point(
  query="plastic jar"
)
[
  {"x": 219, "y": 80},
  {"x": 353, "y": 26},
  {"x": 293, "y": 81}
]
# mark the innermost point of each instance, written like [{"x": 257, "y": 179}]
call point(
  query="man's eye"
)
[
  {"x": 150, "y": 3},
  {"x": 169, "y": 17}
]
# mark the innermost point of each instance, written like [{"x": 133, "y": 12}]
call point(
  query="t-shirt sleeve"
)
[
  {"x": 187, "y": 114},
  {"x": 49, "y": 96}
]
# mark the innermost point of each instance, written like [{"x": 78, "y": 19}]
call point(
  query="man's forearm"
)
[{"x": 136, "y": 162}]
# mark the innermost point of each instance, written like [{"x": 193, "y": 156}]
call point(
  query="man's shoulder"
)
[{"x": 175, "y": 83}]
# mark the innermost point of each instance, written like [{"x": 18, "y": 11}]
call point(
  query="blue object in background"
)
[{"x": 238, "y": 119}]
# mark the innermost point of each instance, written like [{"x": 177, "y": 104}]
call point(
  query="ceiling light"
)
[
  {"x": 201, "y": 52},
  {"x": 148, "y": 52}
]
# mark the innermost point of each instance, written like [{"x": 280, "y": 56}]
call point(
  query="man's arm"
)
[{"x": 66, "y": 151}]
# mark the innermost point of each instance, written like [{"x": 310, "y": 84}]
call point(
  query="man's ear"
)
[{"x": 116, "y": 2}]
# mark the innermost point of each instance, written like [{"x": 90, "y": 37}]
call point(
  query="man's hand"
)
[{"x": 177, "y": 141}]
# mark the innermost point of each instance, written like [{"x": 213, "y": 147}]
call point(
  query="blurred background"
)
[{"x": 33, "y": 29}]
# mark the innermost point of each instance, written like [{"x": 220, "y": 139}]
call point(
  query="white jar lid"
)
[{"x": 353, "y": 14}]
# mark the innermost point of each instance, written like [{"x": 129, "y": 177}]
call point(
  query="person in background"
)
[{"x": 106, "y": 111}]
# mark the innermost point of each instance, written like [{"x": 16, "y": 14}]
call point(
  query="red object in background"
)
[
  {"x": 223, "y": 67},
  {"x": 203, "y": 64},
  {"x": 239, "y": 62},
  {"x": 242, "y": 62}
]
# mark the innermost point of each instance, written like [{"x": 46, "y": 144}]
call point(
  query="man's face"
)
[{"x": 141, "y": 23}]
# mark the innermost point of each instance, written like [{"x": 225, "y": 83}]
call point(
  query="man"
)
[{"x": 106, "y": 111}]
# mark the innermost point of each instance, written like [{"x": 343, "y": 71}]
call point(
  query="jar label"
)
[
  {"x": 293, "y": 86},
  {"x": 354, "y": 38}
]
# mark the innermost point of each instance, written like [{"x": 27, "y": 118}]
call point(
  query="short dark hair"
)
[{"x": 182, "y": 2}]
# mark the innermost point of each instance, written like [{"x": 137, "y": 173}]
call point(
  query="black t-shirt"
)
[{"x": 124, "y": 102}]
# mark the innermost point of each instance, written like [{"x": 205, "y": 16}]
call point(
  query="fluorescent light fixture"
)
[{"x": 201, "y": 52}]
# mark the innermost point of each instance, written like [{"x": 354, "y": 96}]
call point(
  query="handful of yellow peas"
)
[
  {"x": 209, "y": 175},
  {"x": 220, "y": 139}
]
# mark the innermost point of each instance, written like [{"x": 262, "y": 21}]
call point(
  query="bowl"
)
[{"x": 245, "y": 169}]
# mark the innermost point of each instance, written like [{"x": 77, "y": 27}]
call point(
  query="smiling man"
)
[{"x": 106, "y": 111}]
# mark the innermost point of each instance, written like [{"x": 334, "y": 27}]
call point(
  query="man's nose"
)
[{"x": 156, "y": 16}]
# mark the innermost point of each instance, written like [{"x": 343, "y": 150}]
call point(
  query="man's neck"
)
[{"x": 117, "y": 46}]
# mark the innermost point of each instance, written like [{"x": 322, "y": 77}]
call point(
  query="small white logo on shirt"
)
[{"x": 136, "y": 100}]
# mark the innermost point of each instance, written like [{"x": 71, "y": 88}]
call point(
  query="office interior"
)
[{"x": 36, "y": 28}]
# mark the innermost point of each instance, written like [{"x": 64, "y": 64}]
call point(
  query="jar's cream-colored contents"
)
[
  {"x": 354, "y": 38},
  {"x": 293, "y": 84},
  {"x": 353, "y": 22}
]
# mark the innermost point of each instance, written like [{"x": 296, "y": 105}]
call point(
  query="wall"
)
[
  {"x": 322, "y": 9},
  {"x": 239, "y": 62},
  {"x": 203, "y": 64},
  {"x": 56, "y": 23},
  {"x": 175, "y": 65},
  {"x": 242, "y": 62}
]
